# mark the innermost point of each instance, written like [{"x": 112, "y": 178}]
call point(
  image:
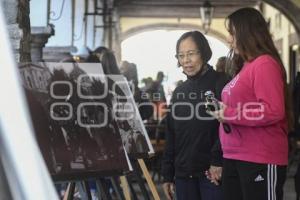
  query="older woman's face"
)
[{"x": 189, "y": 57}]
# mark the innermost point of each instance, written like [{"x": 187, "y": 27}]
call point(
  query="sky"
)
[{"x": 155, "y": 51}]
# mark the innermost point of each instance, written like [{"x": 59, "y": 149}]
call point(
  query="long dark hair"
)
[{"x": 253, "y": 39}]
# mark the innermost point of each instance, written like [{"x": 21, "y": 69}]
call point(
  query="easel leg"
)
[
  {"x": 82, "y": 191},
  {"x": 149, "y": 180},
  {"x": 117, "y": 188},
  {"x": 125, "y": 187},
  {"x": 87, "y": 189},
  {"x": 70, "y": 191},
  {"x": 130, "y": 182},
  {"x": 140, "y": 179},
  {"x": 103, "y": 189}
]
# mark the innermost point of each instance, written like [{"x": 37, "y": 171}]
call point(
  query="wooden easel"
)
[
  {"x": 124, "y": 190},
  {"x": 125, "y": 187},
  {"x": 70, "y": 191},
  {"x": 140, "y": 170},
  {"x": 101, "y": 186},
  {"x": 149, "y": 179}
]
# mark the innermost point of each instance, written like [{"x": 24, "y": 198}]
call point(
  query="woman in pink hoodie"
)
[{"x": 255, "y": 108}]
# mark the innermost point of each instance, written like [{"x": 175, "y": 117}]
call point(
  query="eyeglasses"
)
[{"x": 190, "y": 54}]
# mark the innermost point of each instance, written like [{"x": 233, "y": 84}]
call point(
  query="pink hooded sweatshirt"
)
[{"x": 256, "y": 114}]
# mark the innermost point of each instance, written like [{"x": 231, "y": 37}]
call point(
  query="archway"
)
[
  {"x": 290, "y": 10},
  {"x": 286, "y": 7},
  {"x": 170, "y": 27},
  {"x": 154, "y": 51}
]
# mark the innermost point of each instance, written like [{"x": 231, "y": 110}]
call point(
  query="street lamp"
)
[{"x": 206, "y": 13}]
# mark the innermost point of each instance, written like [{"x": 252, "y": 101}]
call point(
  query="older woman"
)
[{"x": 192, "y": 144}]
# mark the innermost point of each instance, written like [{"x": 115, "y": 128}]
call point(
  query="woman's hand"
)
[
  {"x": 214, "y": 174},
  {"x": 218, "y": 114},
  {"x": 169, "y": 190}
]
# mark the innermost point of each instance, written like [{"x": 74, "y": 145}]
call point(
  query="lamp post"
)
[{"x": 206, "y": 13}]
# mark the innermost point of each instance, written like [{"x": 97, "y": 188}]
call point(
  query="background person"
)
[
  {"x": 107, "y": 58},
  {"x": 158, "y": 96},
  {"x": 221, "y": 64},
  {"x": 129, "y": 70},
  {"x": 222, "y": 69}
]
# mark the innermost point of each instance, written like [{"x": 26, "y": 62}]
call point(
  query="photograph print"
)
[
  {"x": 131, "y": 127},
  {"x": 72, "y": 114}
]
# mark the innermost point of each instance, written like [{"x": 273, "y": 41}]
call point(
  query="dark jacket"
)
[{"x": 192, "y": 144}]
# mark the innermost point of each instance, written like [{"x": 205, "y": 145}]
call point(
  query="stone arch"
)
[
  {"x": 287, "y": 7},
  {"x": 290, "y": 10},
  {"x": 169, "y": 26}
]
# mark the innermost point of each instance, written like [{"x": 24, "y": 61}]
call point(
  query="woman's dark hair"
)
[
  {"x": 201, "y": 42},
  {"x": 253, "y": 39},
  {"x": 108, "y": 60}
]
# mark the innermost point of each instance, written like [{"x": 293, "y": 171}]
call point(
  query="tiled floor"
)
[{"x": 289, "y": 188}]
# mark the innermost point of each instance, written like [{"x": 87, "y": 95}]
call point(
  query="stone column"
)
[
  {"x": 39, "y": 37},
  {"x": 116, "y": 44},
  {"x": 17, "y": 19}
]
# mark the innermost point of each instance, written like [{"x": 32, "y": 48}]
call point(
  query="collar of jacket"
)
[{"x": 205, "y": 68}]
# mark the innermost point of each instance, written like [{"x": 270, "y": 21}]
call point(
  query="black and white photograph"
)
[
  {"x": 134, "y": 135},
  {"x": 72, "y": 115}
]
